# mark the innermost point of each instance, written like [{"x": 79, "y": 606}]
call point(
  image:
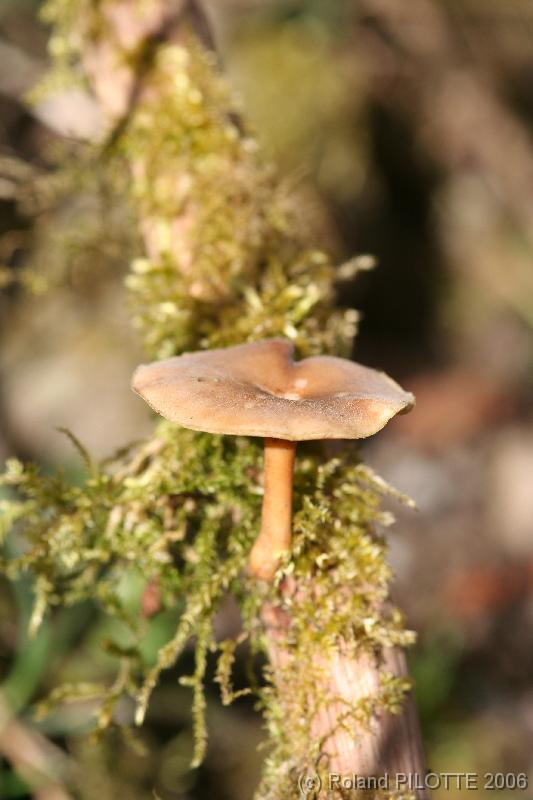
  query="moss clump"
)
[
  {"x": 183, "y": 509},
  {"x": 229, "y": 258}
]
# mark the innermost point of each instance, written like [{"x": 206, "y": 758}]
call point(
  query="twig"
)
[{"x": 41, "y": 764}]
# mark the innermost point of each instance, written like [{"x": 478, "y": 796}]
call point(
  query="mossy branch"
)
[{"x": 218, "y": 261}]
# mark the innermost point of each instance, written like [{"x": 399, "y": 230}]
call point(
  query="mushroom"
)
[{"x": 257, "y": 389}]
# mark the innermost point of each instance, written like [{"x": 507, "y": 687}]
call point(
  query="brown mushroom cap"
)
[{"x": 258, "y": 390}]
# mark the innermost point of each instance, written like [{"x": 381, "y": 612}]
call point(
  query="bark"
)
[
  {"x": 390, "y": 745},
  {"x": 119, "y": 65}
]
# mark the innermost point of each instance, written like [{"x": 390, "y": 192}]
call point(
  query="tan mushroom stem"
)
[{"x": 276, "y": 521}]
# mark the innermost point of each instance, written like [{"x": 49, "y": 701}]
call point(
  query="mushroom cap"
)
[{"x": 258, "y": 389}]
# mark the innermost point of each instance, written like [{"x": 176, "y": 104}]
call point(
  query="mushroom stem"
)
[{"x": 276, "y": 522}]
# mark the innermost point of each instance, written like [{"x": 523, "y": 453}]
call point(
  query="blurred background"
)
[{"x": 408, "y": 129}]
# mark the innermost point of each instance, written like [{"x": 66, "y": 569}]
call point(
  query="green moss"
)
[
  {"x": 184, "y": 508},
  {"x": 254, "y": 275}
]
